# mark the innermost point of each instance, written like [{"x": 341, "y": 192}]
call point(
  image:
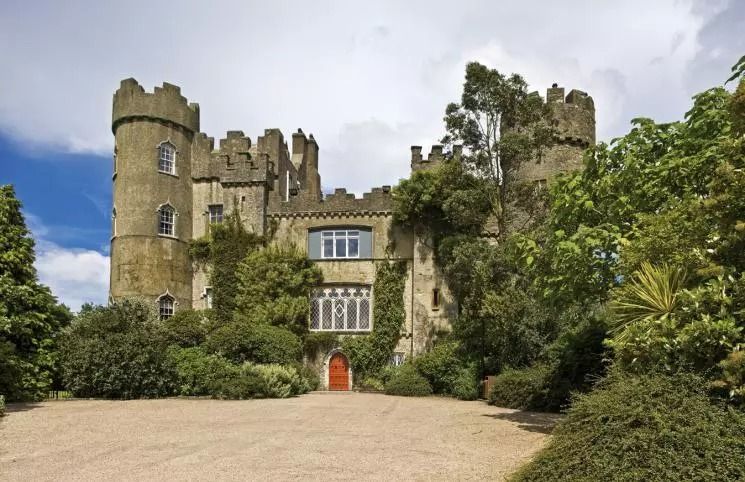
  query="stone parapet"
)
[
  {"x": 379, "y": 200},
  {"x": 164, "y": 104}
]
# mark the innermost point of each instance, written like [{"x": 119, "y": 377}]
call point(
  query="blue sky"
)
[{"x": 368, "y": 79}]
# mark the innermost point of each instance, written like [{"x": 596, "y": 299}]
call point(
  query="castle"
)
[{"x": 170, "y": 184}]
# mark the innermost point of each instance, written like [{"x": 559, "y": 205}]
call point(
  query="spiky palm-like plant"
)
[{"x": 651, "y": 294}]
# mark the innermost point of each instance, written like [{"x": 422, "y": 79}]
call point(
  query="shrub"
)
[
  {"x": 309, "y": 377},
  {"x": 523, "y": 388},
  {"x": 259, "y": 343},
  {"x": 572, "y": 363},
  {"x": 440, "y": 366},
  {"x": 243, "y": 386},
  {"x": 117, "y": 351},
  {"x": 372, "y": 384},
  {"x": 199, "y": 373},
  {"x": 186, "y": 328},
  {"x": 731, "y": 384},
  {"x": 2, "y": 405},
  {"x": 465, "y": 386},
  {"x": 276, "y": 381},
  {"x": 406, "y": 381},
  {"x": 648, "y": 427},
  {"x": 319, "y": 342}
]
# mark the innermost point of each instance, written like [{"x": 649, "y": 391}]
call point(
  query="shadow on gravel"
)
[
  {"x": 529, "y": 421},
  {"x": 21, "y": 407}
]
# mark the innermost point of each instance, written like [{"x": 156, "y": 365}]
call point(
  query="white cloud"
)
[
  {"x": 74, "y": 275},
  {"x": 368, "y": 79}
]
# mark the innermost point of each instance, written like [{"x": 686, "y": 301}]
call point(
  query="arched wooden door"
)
[{"x": 338, "y": 372}]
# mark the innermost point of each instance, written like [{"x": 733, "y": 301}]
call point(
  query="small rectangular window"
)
[
  {"x": 340, "y": 243},
  {"x": 208, "y": 297},
  {"x": 436, "y": 299},
  {"x": 398, "y": 359},
  {"x": 215, "y": 211}
]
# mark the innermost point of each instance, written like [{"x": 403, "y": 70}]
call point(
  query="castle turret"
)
[
  {"x": 574, "y": 121},
  {"x": 152, "y": 194}
]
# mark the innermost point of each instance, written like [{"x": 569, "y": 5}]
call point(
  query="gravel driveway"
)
[{"x": 330, "y": 436}]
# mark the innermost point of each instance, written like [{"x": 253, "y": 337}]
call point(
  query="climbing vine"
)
[{"x": 369, "y": 354}]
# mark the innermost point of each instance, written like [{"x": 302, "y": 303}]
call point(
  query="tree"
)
[
  {"x": 273, "y": 287},
  {"x": 500, "y": 126},
  {"x": 30, "y": 317}
]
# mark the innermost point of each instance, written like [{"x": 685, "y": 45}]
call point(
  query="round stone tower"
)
[
  {"x": 152, "y": 217},
  {"x": 574, "y": 119}
]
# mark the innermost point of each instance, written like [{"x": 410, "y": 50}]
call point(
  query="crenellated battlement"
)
[
  {"x": 574, "y": 116},
  {"x": 165, "y": 104},
  {"x": 341, "y": 202},
  {"x": 418, "y": 162}
]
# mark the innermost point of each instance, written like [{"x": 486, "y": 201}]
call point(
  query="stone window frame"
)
[
  {"x": 334, "y": 300},
  {"x": 167, "y": 206},
  {"x": 436, "y": 299},
  {"x": 160, "y": 149},
  {"x": 331, "y": 234},
  {"x": 166, "y": 305},
  {"x": 220, "y": 215},
  {"x": 208, "y": 296}
]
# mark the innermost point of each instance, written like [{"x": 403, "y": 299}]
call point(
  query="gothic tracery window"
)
[
  {"x": 166, "y": 306},
  {"x": 340, "y": 308}
]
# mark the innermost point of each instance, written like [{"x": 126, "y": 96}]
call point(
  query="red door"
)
[{"x": 338, "y": 372}]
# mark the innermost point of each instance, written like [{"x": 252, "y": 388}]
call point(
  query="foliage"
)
[
  {"x": 369, "y": 354},
  {"x": 500, "y": 125},
  {"x": 406, "y": 381},
  {"x": 465, "y": 385},
  {"x": 647, "y": 427},
  {"x": 440, "y": 366},
  {"x": 732, "y": 381},
  {"x": 697, "y": 335},
  {"x": 319, "y": 342},
  {"x": 228, "y": 242},
  {"x": 30, "y": 318},
  {"x": 652, "y": 293},
  {"x": 186, "y": 328},
  {"x": 442, "y": 201},
  {"x": 274, "y": 287},
  {"x": 199, "y": 373},
  {"x": 523, "y": 389},
  {"x": 2, "y": 405},
  {"x": 241, "y": 341},
  {"x": 570, "y": 364},
  {"x": 372, "y": 384},
  {"x": 117, "y": 351},
  {"x": 277, "y": 381}
]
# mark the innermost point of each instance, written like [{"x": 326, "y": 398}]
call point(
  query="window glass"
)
[
  {"x": 167, "y": 158},
  {"x": 354, "y": 247},
  {"x": 340, "y": 243},
  {"x": 165, "y": 306},
  {"x": 166, "y": 221},
  {"x": 340, "y": 308},
  {"x": 215, "y": 211}
]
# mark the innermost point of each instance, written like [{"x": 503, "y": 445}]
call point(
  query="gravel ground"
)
[{"x": 330, "y": 436}]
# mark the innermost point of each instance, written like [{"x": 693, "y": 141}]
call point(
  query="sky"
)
[{"x": 368, "y": 79}]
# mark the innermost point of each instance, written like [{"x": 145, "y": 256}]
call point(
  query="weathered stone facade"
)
[{"x": 278, "y": 194}]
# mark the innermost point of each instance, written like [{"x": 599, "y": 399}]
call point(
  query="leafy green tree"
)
[
  {"x": 273, "y": 287},
  {"x": 117, "y": 351},
  {"x": 500, "y": 125},
  {"x": 30, "y": 317}
]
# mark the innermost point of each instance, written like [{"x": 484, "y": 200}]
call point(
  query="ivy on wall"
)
[{"x": 369, "y": 354}]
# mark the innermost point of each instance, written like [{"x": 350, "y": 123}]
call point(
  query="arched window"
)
[
  {"x": 167, "y": 220},
  {"x": 166, "y": 306},
  {"x": 167, "y": 158}
]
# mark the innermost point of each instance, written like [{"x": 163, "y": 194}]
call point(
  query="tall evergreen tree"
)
[{"x": 30, "y": 317}]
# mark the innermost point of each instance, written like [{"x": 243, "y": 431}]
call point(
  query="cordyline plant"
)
[{"x": 652, "y": 293}]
